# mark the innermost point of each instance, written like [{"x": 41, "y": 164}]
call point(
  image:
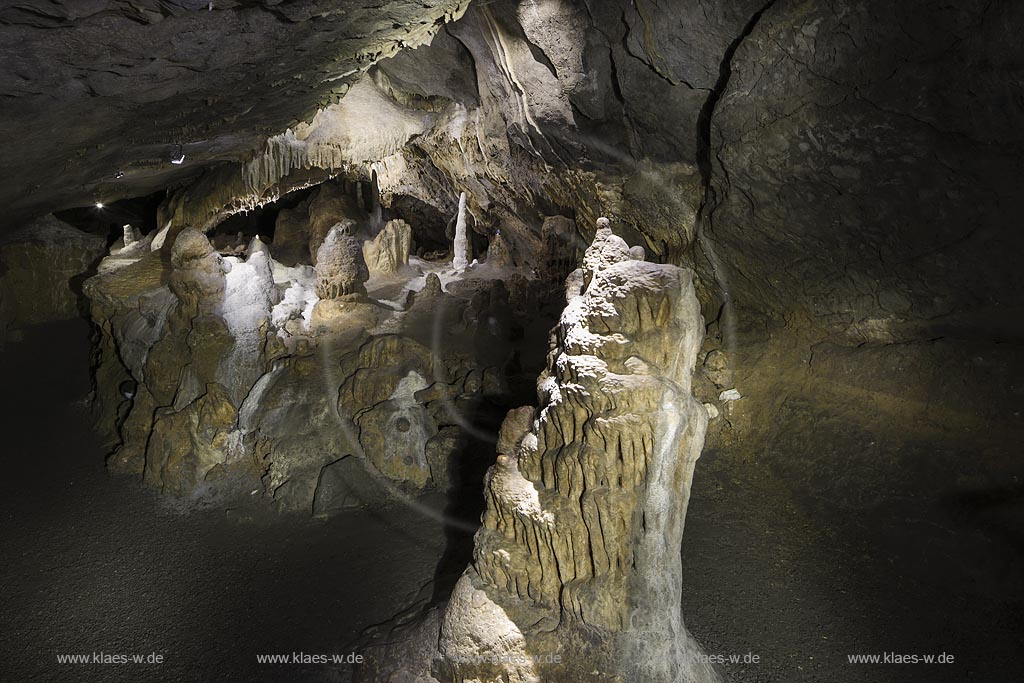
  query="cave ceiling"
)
[
  {"x": 93, "y": 89},
  {"x": 848, "y": 166}
]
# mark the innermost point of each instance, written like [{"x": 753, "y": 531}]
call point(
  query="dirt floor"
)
[
  {"x": 93, "y": 564},
  {"x": 804, "y": 591}
]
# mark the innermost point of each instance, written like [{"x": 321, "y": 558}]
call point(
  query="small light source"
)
[
  {"x": 178, "y": 156},
  {"x": 99, "y": 205}
]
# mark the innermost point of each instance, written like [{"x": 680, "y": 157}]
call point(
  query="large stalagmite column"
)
[
  {"x": 577, "y": 571},
  {"x": 461, "y": 246}
]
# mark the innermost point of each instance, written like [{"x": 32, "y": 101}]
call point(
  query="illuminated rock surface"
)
[{"x": 578, "y": 554}]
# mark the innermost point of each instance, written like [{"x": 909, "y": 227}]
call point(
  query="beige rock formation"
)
[
  {"x": 577, "y": 573},
  {"x": 330, "y": 205},
  {"x": 197, "y": 278},
  {"x": 163, "y": 328},
  {"x": 340, "y": 268},
  {"x": 380, "y": 395},
  {"x": 388, "y": 252},
  {"x": 462, "y": 254}
]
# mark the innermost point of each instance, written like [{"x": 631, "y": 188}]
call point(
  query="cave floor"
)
[
  {"x": 771, "y": 571},
  {"x": 96, "y": 564}
]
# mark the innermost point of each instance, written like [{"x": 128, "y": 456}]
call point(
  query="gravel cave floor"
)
[{"x": 98, "y": 564}]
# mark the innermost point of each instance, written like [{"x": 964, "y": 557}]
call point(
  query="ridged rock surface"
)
[
  {"x": 388, "y": 252},
  {"x": 579, "y": 553}
]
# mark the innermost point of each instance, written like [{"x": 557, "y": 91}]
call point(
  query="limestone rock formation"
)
[
  {"x": 499, "y": 252},
  {"x": 41, "y": 266},
  {"x": 388, "y": 252},
  {"x": 197, "y": 278},
  {"x": 340, "y": 268},
  {"x": 330, "y": 205},
  {"x": 560, "y": 247},
  {"x": 130, "y": 236},
  {"x": 579, "y": 553},
  {"x": 244, "y": 379},
  {"x": 190, "y": 334},
  {"x": 460, "y": 245},
  {"x": 380, "y": 394},
  {"x": 291, "y": 235}
]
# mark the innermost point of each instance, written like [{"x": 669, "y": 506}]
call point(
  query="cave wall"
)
[
  {"x": 42, "y": 266},
  {"x": 865, "y": 158}
]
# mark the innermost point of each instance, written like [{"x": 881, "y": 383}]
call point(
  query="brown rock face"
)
[
  {"x": 394, "y": 426},
  {"x": 197, "y": 278},
  {"x": 577, "y": 567},
  {"x": 499, "y": 252},
  {"x": 163, "y": 332}
]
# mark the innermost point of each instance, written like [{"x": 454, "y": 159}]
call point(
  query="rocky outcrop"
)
[
  {"x": 197, "y": 275},
  {"x": 221, "y": 375},
  {"x": 329, "y": 205},
  {"x": 41, "y": 269},
  {"x": 499, "y": 252},
  {"x": 299, "y": 231},
  {"x": 576, "y": 573},
  {"x": 388, "y": 252},
  {"x": 162, "y": 332}
]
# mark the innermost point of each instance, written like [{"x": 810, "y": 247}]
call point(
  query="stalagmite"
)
[
  {"x": 257, "y": 245},
  {"x": 197, "y": 277},
  {"x": 340, "y": 268},
  {"x": 576, "y": 573},
  {"x": 130, "y": 236},
  {"x": 499, "y": 253},
  {"x": 461, "y": 246}
]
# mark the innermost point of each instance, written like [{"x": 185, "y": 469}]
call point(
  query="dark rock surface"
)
[
  {"x": 93, "y": 88},
  {"x": 865, "y": 161},
  {"x": 42, "y": 266}
]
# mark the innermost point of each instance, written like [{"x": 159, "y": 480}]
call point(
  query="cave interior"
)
[{"x": 404, "y": 337}]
